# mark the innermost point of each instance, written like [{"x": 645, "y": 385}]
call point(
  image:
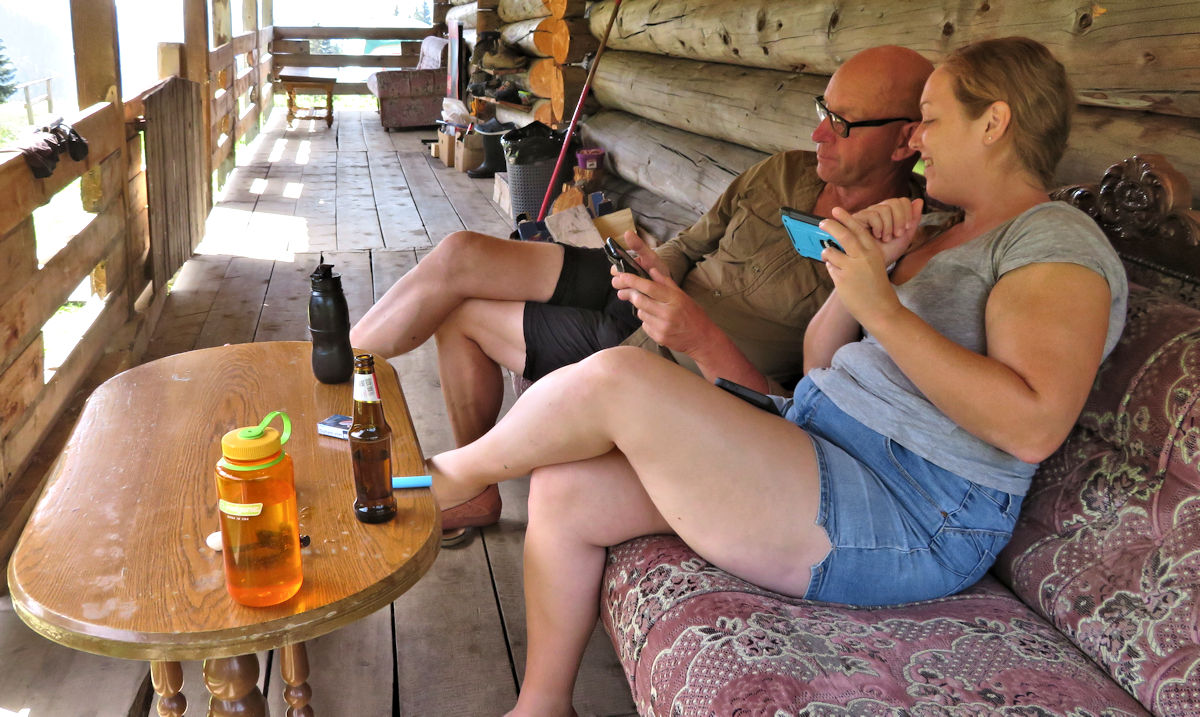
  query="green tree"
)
[{"x": 8, "y": 73}]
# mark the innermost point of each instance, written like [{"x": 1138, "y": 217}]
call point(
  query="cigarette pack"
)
[{"x": 336, "y": 425}]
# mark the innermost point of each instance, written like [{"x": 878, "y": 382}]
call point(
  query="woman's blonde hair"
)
[{"x": 1022, "y": 73}]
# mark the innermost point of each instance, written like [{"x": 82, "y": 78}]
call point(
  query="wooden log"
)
[
  {"x": 522, "y": 34},
  {"x": 521, "y": 116},
  {"x": 764, "y": 109},
  {"x": 685, "y": 168},
  {"x": 566, "y": 8},
  {"x": 567, "y": 41},
  {"x": 570, "y": 40},
  {"x": 560, "y": 83},
  {"x": 463, "y": 14},
  {"x": 1127, "y": 54},
  {"x": 516, "y": 10},
  {"x": 770, "y": 111}
]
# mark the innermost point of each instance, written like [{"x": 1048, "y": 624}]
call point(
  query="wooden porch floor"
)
[{"x": 375, "y": 203}]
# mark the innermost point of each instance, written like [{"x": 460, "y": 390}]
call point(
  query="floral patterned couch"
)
[{"x": 1092, "y": 609}]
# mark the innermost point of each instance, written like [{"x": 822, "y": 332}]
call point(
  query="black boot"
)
[{"x": 493, "y": 156}]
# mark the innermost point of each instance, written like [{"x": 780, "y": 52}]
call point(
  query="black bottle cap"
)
[{"x": 323, "y": 278}]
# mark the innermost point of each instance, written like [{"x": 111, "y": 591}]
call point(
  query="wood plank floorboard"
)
[
  {"x": 41, "y": 678},
  {"x": 375, "y": 203}
]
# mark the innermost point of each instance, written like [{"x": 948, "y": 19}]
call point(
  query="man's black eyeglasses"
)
[{"x": 842, "y": 127}]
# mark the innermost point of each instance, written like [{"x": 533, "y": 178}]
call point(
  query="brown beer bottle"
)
[{"x": 370, "y": 447}]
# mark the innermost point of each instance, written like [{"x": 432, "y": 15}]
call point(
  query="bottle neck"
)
[{"x": 368, "y": 406}]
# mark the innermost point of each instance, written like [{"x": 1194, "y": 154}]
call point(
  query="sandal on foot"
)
[{"x": 478, "y": 512}]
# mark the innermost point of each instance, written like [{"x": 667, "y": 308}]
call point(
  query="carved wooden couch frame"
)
[{"x": 1092, "y": 608}]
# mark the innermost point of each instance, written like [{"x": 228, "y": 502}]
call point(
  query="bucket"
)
[
  {"x": 591, "y": 158},
  {"x": 527, "y": 184}
]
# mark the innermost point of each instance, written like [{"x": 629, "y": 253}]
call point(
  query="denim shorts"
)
[{"x": 902, "y": 529}]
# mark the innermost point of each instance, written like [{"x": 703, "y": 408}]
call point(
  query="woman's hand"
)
[
  {"x": 860, "y": 273},
  {"x": 893, "y": 222}
]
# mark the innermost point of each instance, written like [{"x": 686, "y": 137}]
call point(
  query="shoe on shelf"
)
[
  {"x": 508, "y": 92},
  {"x": 481, "y": 511}
]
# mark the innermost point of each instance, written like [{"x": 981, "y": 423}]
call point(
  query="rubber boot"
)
[{"x": 493, "y": 157}]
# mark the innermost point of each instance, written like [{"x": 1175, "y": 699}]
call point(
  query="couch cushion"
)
[
  {"x": 1107, "y": 547},
  {"x": 695, "y": 640}
]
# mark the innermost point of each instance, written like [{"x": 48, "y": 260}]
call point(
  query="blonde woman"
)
[{"x": 933, "y": 389}]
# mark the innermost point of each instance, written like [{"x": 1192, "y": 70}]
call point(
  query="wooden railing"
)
[
  {"x": 31, "y": 100},
  {"x": 290, "y": 47},
  {"x": 238, "y": 92},
  {"x": 112, "y": 248}
]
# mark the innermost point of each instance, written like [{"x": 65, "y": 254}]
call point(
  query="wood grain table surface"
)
[{"x": 113, "y": 560}]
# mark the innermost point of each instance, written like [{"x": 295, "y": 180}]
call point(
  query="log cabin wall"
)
[{"x": 688, "y": 86}]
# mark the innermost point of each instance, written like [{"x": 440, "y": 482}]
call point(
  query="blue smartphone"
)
[{"x": 808, "y": 238}]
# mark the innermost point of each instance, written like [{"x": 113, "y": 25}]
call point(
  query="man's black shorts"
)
[{"x": 582, "y": 317}]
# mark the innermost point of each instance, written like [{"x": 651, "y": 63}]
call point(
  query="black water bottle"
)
[{"x": 329, "y": 323}]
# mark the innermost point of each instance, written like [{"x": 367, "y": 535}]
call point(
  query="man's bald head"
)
[{"x": 887, "y": 80}]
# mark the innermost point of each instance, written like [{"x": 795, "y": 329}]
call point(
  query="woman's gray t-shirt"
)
[{"x": 950, "y": 293}]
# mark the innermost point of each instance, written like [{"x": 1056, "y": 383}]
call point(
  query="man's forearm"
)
[{"x": 719, "y": 357}]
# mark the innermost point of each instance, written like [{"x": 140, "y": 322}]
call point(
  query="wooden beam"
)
[
  {"x": 305, "y": 59},
  {"x": 351, "y": 33},
  {"x": 18, "y": 258},
  {"x": 45, "y": 291}
]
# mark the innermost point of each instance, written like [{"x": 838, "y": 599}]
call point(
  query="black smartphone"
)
[
  {"x": 621, "y": 259},
  {"x": 808, "y": 238},
  {"x": 749, "y": 395}
]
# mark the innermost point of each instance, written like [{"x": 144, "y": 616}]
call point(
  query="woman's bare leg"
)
[
  {"x": 738, "y": 484},
  {"x": 575, "y": 511},
  {"x": 464, "y": 265}
]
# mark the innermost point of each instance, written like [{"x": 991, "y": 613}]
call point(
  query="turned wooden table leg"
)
[
  {"x": 291, "y": 104},
  {"x": 233, "y": 682},
  {"x": 167, "y": 678},
  {"x": 293, "y": 667},
  {"x": 329, "y": 107}
]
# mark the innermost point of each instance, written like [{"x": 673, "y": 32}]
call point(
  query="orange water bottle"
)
[{"x": 260, "y": 533}]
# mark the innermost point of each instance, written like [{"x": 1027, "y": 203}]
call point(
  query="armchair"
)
[{"x": 413, "y": 97}]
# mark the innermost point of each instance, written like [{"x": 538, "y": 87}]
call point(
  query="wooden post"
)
[
  {"x": 28, "y": 104},
  {"x": 195, "y": 33},
  {"x": 222, "y": 32},
  {"x": 98, "y": 79},
  {"x": 250, "y": 24},
  {"x": 170, "y": 59}
]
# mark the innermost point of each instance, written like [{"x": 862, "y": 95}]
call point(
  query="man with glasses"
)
[{"x": 736, "y": 289}]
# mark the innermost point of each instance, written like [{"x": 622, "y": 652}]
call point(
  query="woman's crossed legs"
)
[{"x": 625, "y": 444}]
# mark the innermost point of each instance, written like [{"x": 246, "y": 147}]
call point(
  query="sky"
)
[{"x": 36, "y": 44}]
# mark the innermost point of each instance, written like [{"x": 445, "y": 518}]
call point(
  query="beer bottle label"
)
[
  {"x": 239, "y": 510},
  {"x": 366, "y": 388}
]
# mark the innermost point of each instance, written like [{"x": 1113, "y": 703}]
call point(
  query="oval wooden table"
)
[{"x": 113, "y": 560}]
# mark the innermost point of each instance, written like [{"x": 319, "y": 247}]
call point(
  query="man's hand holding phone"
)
[{"x": 670, "y": 317}]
